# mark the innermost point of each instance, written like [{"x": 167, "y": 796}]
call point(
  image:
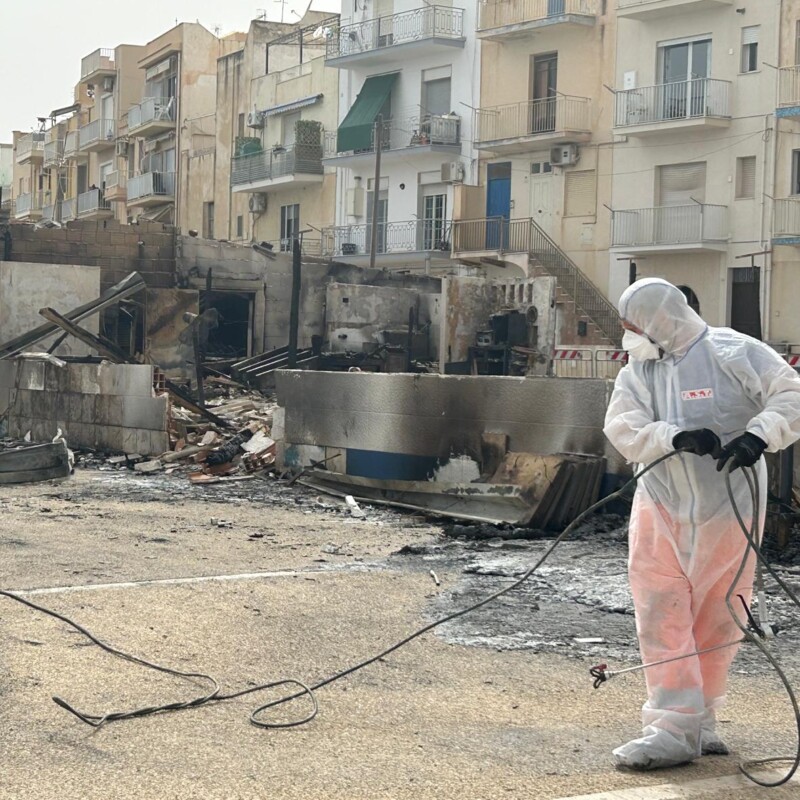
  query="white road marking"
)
[
  {"x": 674, "y": 791},
  {"x": 244, "y": 576}
]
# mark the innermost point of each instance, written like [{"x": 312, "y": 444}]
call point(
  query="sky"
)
[{"x": 42, "y": 42}]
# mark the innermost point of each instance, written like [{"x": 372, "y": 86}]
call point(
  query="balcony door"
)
[
  {"x": 681, "y": 191},
  {"x": 684, "y": 66},
  {"x": 434, "y": 217},
  {"x": 544, "y": 78}
]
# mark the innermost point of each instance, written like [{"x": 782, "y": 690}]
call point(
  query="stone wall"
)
[
  {"x": 148, "y": 248},
  {"x": 100, "y": 406}
]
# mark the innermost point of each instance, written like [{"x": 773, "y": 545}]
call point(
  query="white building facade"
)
[{"x": 413, "y": 69}]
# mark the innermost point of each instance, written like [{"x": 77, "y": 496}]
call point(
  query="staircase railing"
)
[{"x": 588, "y": 298}]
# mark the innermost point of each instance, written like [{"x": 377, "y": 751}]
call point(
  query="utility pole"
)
[
  {"x": 377, "y": 136},
  {"x": 294, "y": 309}
]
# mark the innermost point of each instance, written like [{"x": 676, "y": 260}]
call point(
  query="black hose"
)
[{"x": 216, "y": 696}]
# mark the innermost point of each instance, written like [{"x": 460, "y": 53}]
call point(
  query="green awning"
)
[{"x": 355, "y": 132}]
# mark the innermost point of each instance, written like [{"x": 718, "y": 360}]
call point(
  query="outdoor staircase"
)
[{"x": 577, "y": 297}]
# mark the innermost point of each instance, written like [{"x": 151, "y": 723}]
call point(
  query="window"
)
[
  {"x": 795, "y": 172},
  {"x": 691, "y": 298},
  {"x": 240, "y": 227},
  {"x": 436, "y": 95},
  {"x": 208, "y": 220},
  {"x": 434, "y": 215},
  {"x": 681, "y": 184},
  {"x": 745, "y": 177},
  {"x": 797, "y": 42},
  {"x": 290, "y": 225},
  {"x": 750, "y": 48},
  {"x": 541, "y": 167},
  {"x": 580, "y": 192}
]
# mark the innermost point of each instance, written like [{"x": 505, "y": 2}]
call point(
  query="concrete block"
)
[
  {"x": 88, "y": 408},
  {"x": 32, "y": 375},
  {"x": 159, "y": 442},
  {"x": 130, "y": 441},
  {"x": 144, "y": 444},
  {"x": 145, "y": 412}
]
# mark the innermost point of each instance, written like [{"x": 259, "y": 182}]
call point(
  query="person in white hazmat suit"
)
[{"x": 722, "y": 398}]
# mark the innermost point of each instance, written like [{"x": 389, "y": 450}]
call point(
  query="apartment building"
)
[
  {"x": 410, "y": 72},
  {"x": 6, "y": 170},
  {"x": 695, "y": 135},
  {"x": 275, "y": 100},
  {"x": 542, "y": 130},
  {"x": 178, "y": 71}
]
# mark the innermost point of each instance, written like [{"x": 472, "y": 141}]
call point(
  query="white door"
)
[{"x": 541, "y": 195}]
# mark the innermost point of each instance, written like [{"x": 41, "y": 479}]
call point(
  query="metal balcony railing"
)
[
  {"x": 276, "y": 163},
  {"x": 151, "y": 184},
  {"x": 116, "y": 180},
  {"x": 27, "y": 202},
  {"x": 670, "y": 102},
  {"x": 92, "y": 201},
  {"x": 430, "y": 22},
  {"x": 151, "y": 109},
  {"x": 624, "y": 5},
  {"x": 789, "y": 86},
  {"x": 786, "y": 217},
  {"x": 71, "y": 144},
  {"x": 412, "y": 131},
  {"x": 101, "y": 130},
  {"x": 416, "y": 235},
  {"x": 29, "y": 144},
  {"x": 669, "y": 225},
  {"x": 53, "y": 152},
  {"x": 68, "y": 209},
  {"x": 532, "y": 118},
  {"x": 497, "y": 234},
  {"x": 52, "y": 212},
  {"x": 502, "y": 13},
  {"x": 102, "y": 59}
]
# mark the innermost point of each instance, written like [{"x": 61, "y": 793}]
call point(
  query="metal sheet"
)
[{"x": 442, "y": 415}]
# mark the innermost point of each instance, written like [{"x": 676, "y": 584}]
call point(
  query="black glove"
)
[
  {"x": 702, "y": 442},
  {"x": 745, "y": 450}
]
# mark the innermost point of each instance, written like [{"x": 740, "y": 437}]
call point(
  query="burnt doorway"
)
[
  {"x": 746, "y": 300},
  {"x": 232, "y": 336}
]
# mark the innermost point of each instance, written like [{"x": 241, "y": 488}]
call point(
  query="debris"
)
[
  {"x": 435, "y": 578},
  {"x": 180, "y": 455},
  {"x": 41, "y": 462},
  {"x": 355, "y": 508},
  {"x": 589, "y": 640},
  {"x": 221, "y": 523},
  {"x": 228, "y": 451},
  {"x": 149, "y": 466}
]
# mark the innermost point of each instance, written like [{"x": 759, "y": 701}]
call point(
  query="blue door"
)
[{"x": 498, "y": 204}]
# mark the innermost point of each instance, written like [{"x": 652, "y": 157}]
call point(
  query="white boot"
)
[{"x": 710, "y": 743}]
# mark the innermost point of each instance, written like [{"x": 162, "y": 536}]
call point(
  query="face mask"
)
[{"x": 639, "y": 347}]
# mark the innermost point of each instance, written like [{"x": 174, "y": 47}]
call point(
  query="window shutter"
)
[
  {"x": 746, "y": 177},
  {"x": 750, "y": 35},
  {"x": 681, "y": 184},
  {"x": 580, "y": 193}
]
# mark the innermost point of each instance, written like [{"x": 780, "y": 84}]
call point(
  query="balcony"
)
[
  {"x": 152, "y": 116},
  {"x": 653, "y": 9},
  {"x": 68, "y": 209},
  {"x": 98, "y": 135},
  {"x": 786, "y": 221},
  {"x": 694, "y": 228},
  {"x": 52, "y": 212},
  {"x": 402, "y": 138},
  {"x": 788, "y": 92},
  {"x": 30, "y": 148},
  {"x": 72, "y": 145},
  {"x": 516, "y": 127},
  {"x": 151, "y": 189},
  {"x": 391, "y": 37},
  {"x": 696, "y": 103},
  {"x": 116, "y": 188},
  {"x": 28, "y": 206},
  {"x": 398, "y": 243},
  {"x": 92, "y": 205},
  {"x": 53, "y": 153},
  {"x": 7, "y": 209},
  {"x": 511, "y": 19},
  {"x": 97, "y": 65},
  {"x": 257, "y": 172}
]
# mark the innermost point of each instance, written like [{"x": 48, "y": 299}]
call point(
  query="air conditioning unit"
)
[
  {"x": 108, "y": 84},
  {"x": 258, "y": 203},
  {"x": 564, "y": 155},
  {"x": 452, "y": 172},
  {"x": 122, "y": 148},
  {"x": 255, "y": 119}
]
